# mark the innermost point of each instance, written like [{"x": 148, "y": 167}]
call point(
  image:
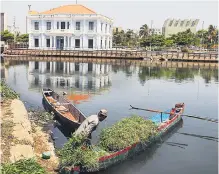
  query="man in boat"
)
[{"x": 90, "y": 124}]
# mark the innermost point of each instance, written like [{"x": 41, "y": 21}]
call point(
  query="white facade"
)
[
  {"x": 173, "y": 26},
  {"x": 70, "y": 31}
]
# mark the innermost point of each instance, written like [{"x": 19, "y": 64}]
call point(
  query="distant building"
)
[
  {"x": 3, "y": 22},
  {"x": 117, "y": 29},
  {"x": 173, "y": 26},
  {"x": 69, "y": 27},
  {"x": 157, "y": 31}
]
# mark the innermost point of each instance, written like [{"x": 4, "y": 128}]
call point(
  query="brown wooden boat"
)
[{"x": 63, "y": 109}]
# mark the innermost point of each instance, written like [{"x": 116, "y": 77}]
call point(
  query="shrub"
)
[
  {"x": 185, "y": 50},
  {"x": 24, "y": 166}
]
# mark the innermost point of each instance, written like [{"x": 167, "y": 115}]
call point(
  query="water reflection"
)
[{"x": 84, "y": 77}]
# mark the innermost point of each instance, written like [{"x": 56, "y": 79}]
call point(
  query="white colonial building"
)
[{"x": 69, "y": 27}]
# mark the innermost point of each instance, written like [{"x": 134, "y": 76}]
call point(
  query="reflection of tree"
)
[
  {"x": 184, "y": 73},
  {"x": 179, "y": 74},
  {"x": 208, "y": 74}
]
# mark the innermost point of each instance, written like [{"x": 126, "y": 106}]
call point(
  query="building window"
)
[
  {"x": 90, "y": 43},
  {"x": 48, "y": 65},
  {"x": 78, "y": 26},
  {"x": 47, "y": 42},
  {"x": 193, "y": 23},
  {"x": 170, "y": 24},
  {"x": 91, "y": 26},
  {"x": 36, "y": 42},
  {"x": 48, "y": 25},
  {"x": 57, "y": 25},
  {"x": 109, "y": 44},
  {"x": 101, "y": 44},
  {"x": 105, "y": 43},
  {"x": 176, "y": 23},
  {"x": 36, "y": 25},
  {"x": 187, "y": 23},
  {"x": 68, "y": 25},
  {"x": 62, "y": 25},
  {"x": 36, "y": 65},
  {"x": 117, "y": 30},
  {"x": 101, "y": 26},
  {"x": 106, "y": 28},
  {"x": 181, "y": 24},
  {"x": 77, "y": 43}
]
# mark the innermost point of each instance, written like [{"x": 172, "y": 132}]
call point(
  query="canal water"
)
[{"x": 92, "y": 86}]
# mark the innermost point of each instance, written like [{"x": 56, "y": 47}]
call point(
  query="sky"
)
[{"x": 126, "y": 14}]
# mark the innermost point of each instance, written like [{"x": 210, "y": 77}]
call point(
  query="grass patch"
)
[
  {"x": 24, "y": 166},
  {"x": 7, "y": 138},
  {"x": 7, "y": 92}
]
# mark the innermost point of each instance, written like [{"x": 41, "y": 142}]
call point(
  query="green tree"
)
[
  {"x": 119, "y": 38},
  {"x": 184, "y": 38},
  {"x": 154, "y": 40},
  {"x": 212, "y": 34},
  {"x": 23, "y": 38},
  {"x": 168, "y": 42},
  {"x": 144, "y": 31},
  {"x": 7, "y": 36}
]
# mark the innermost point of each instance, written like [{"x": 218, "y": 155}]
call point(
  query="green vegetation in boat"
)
[{"x": 122, "y": 134}]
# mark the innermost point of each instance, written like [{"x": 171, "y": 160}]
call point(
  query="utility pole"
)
[
  {"x": 202, "y": 33},
  {"x": 151, "y": 33},
  {"x": 26, "y": 18},
  {"x": 76, "y": 1},
  {"x": 14, "y": 28}
]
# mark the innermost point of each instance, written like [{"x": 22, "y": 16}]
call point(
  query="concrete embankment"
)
[
  {"x": 119, "y": 54},
  {"x": 23, "y": 139}
]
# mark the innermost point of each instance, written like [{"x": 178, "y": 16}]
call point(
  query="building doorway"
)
[
  {"x": 59, "y": 42},
  {"x": 90, "y": 43}
]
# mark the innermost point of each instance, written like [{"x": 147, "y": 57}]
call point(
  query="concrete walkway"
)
[{"x": 23, "y": 148}]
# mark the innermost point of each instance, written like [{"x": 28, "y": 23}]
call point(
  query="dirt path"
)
[{"x": 21, "y": 138}]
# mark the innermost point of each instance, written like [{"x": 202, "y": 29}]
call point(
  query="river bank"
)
[{"x": 22, "y": 138}]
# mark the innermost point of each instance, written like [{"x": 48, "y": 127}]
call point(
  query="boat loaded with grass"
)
[{"x": 124, "y": 139}]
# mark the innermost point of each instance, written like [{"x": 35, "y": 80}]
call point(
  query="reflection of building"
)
[
  {"x": 173, "y": 26},
  {"x": 82, "y": 76},
  {"x": 69, "y": 27}
]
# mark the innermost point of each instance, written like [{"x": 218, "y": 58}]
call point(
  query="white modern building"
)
[
  {"x": 173, "y": 26},
  {"x": 69, "y": 27}
]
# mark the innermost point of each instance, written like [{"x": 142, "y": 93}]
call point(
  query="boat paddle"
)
[{"x": 191, "y": 116}]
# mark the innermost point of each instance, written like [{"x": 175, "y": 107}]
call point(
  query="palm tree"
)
[
  {"x": 212, "y": 33},
  {"x": 144, "y": 31}
]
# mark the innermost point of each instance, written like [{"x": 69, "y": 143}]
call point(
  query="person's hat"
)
[{"x": 103, "y": 112}]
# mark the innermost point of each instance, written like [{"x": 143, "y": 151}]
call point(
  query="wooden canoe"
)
[
  {"x": 165, "y": 125},
  {"x": 63, "y": 109}
]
